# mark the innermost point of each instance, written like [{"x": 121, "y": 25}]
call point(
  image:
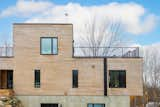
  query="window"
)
[
  {"x": 75, "y": 78},
  {"x": 96, "y": 105},
  {"x": 49, "y": 45},
  {"x": 117, "y": 79},
  {"x": 37, "y": 82},
  {"x": 49, "y": 105}
]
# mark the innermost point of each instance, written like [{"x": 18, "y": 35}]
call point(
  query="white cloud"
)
[
  {"x": 25, "y": 8},
  {"x": 135, "y": 18}
]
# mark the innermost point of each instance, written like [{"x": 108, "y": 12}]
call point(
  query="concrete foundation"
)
[{"x": 75, "y": 101}]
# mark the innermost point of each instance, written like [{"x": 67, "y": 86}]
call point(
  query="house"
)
[{"x": 43, "y": 70}]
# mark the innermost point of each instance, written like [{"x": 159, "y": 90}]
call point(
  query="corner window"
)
[
  {"x": 117, "y": 79},
  {"x": 75, "y": 78},
  {"x": 49, "y": 45},
  {"x": 37, "y": 82},
  {"x": 96, "y": 105}
]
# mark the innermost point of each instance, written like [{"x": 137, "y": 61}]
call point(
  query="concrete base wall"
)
[{"x": 75, "y": 101}]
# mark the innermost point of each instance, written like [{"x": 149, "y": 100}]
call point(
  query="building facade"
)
[{"x": 43, "y": 71}]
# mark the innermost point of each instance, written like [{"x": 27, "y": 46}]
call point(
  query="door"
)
[
  {"x": 3, "y": 79},
  {"x": 49, "y": 105}
]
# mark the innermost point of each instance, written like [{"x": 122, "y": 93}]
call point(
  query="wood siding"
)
[
  {"x": 56, "y": 70},
  {"x": 133, "y": 67},
  {"x": 6, "y": 63}
]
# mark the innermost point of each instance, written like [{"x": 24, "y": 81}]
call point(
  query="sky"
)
[{"x": 141, "y": 18}]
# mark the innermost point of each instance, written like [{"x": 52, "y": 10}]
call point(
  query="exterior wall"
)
[
  {"x": 75, "y": 101},
  {"x": 133, "y": 67},
  {"x": 56, "y": 70},
  {"x": 6, "y": 63}
]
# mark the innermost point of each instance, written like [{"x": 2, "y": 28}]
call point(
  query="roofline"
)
[
  {"x": 42, "y": 24},
  {"x": 79, "y": 57}
]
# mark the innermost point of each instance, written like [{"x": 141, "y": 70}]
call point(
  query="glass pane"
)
[
  {"x": 46, "y": 46},
  {"x": 55, "y": 46},
  {"x": 98, "y": 105},
  {"x": 90, "y": 105},
  {"x": 75, "y": 79},
  {"x": 37, "y": 78},
  {"x": 122, "y": 79}
]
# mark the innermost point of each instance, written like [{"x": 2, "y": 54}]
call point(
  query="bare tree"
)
[
  {"x": 98, "y": 37},
  {"x": 152, "y": 72},
  {"x": 151, "y": 68},
  {"x": 151, "y": 77}
]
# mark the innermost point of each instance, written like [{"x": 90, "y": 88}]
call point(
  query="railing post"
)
[
  {"x": 122, "y": 52},
  {"x": 137, "y": 51},
  {"x": 5, "y": 50}
]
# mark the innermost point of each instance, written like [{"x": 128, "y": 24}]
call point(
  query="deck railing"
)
[
  {"x": 89, "y": 52},
  {"x": 6, "y": 51},
  {"x": 124, "y": 52}
]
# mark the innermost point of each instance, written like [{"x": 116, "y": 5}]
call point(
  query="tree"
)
[
  {"x": 151, "y": 77},
  {"x": 96, "y": 36},
  {"x": 151, "y": 73}
]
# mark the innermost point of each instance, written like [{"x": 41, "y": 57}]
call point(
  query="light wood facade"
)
[{"x": 56, "y": 70}]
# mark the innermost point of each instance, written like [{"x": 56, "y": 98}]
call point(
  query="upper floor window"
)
[
  {"x": 117, "y": 79},
  {"x": 49, "y": 45}
]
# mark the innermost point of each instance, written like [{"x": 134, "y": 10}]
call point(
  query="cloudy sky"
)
[{"x": 141, "y": 18}]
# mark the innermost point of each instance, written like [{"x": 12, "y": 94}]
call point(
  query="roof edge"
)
[{"x": 42, "y": 24}]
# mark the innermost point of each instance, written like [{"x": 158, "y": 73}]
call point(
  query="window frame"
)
[
  {"x": 44, "y": 104},
  {"x": 35, "y": 82},
  {"x": 51, "y": 45},
  {"x": 95, "y": 104},
  {"x": 74, "y": 82},
  {"x": 119, "y": 82}
]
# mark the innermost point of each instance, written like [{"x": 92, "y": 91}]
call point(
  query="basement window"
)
[
  {"x": 96, "y": 105},
  {"x": 49, "y": 105},
  {"x": 117, "y": 79},
  {"x": 49, "y": 45}
]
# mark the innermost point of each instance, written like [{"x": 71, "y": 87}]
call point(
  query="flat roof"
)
[{"x": 42, "y": 24}]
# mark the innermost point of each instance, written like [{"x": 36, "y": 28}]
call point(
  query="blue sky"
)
[{"x": 145, "y": 38}]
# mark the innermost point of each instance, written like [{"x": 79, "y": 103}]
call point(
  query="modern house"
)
[{"x": 43, "y": 70}]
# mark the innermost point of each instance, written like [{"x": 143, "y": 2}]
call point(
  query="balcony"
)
[
  {"x": 6, "y": 52},
  {"x": 110, "y": 52}
]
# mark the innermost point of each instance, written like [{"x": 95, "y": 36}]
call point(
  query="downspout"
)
[{"x": 105, "y": 76}]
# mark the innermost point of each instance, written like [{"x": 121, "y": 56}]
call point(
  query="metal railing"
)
[
  {"x": 125, "y": 52},
  {"x": 6, "y": 51}
]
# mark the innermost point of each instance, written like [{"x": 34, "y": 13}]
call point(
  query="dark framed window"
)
[
  {"x": 49, "y": 105},
  {"x": 75, "y": 78},
  {"x": 49, "y": 45},
  {"x": 96, "y": 105},
  {"x": 10, "y": 79},
  {"x": 37, "y": 79},
  {"x": 117, "y": 79}
]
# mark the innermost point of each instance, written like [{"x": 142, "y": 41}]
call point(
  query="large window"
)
[
  {"x": 117, "y": 79},
  {"x": 75, "y": 78},
  {"x": 49, "y": 45},
  {"x": 37, "y": 81},
  {"x": 96, "y": 105}
]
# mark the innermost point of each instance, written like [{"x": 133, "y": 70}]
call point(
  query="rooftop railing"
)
[
  {"x": 6, "y": 51},
  {"x": 124, "y": 52}
]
